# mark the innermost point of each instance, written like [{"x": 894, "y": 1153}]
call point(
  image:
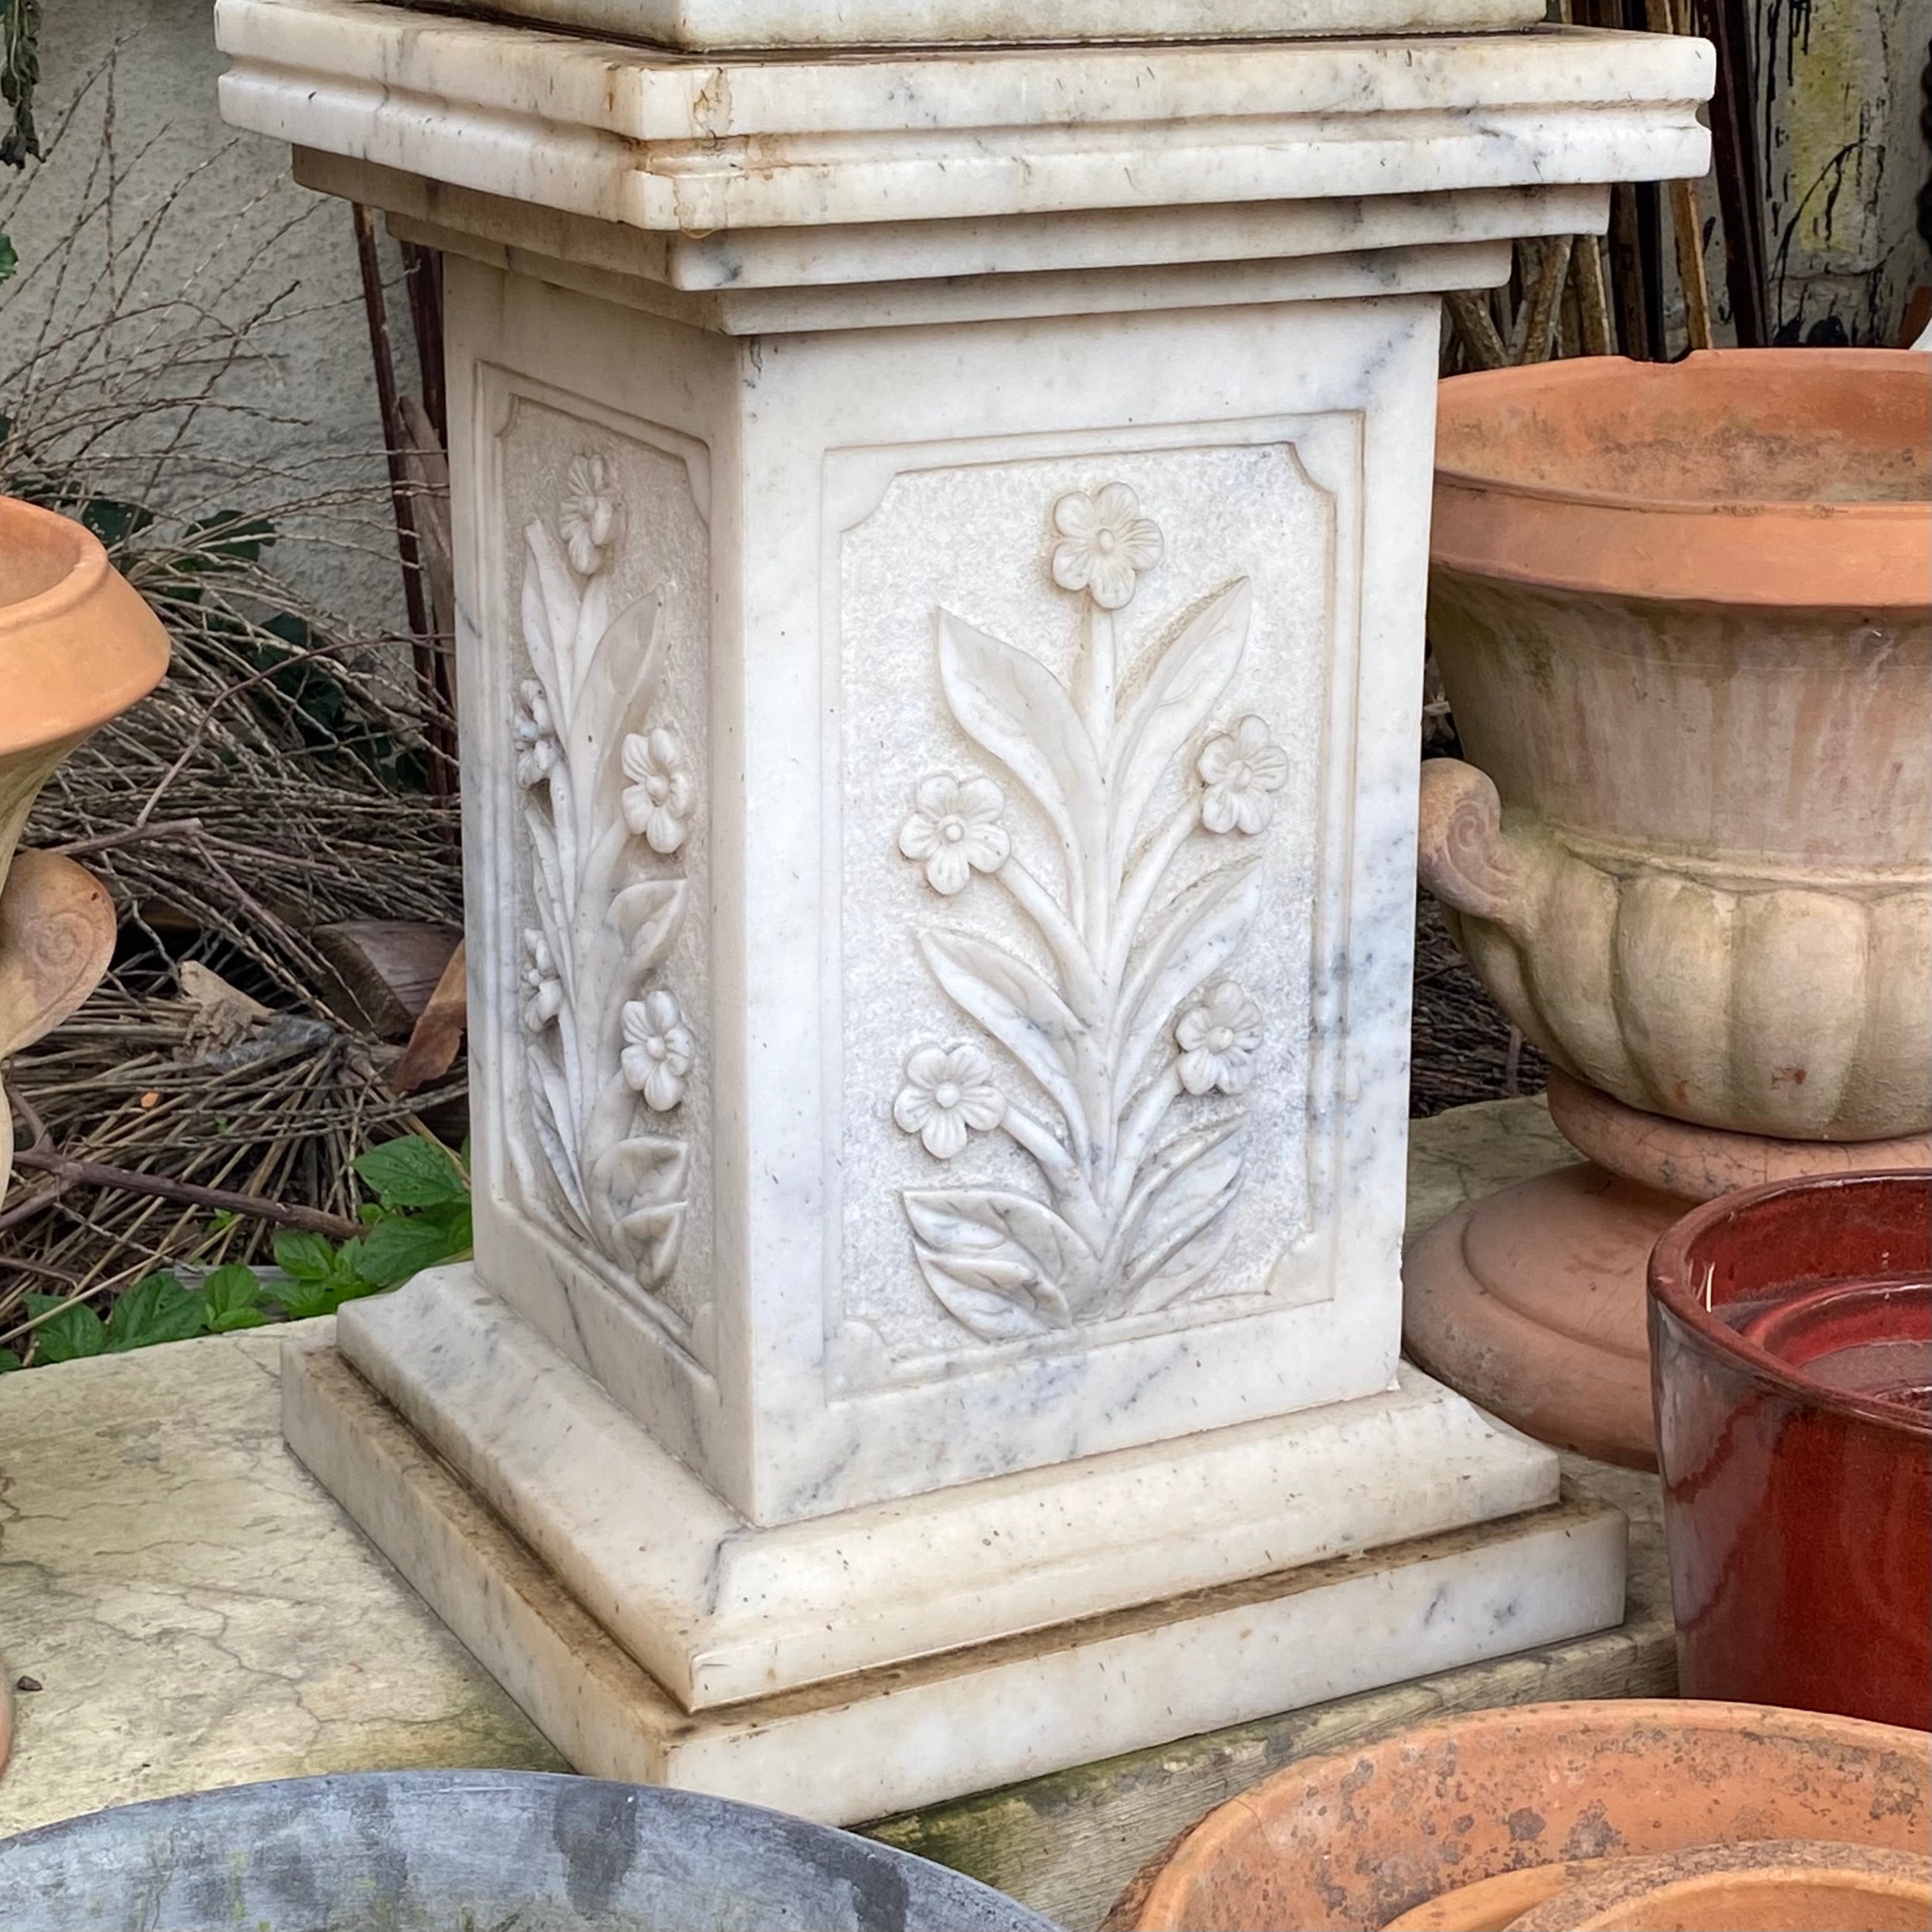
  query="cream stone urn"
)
[
  {"x": 77, "y": 646},
  {"x": 1682, "y": 614}
]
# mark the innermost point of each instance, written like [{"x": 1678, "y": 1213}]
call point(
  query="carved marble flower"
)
[
  {"x": 948, "y": 1090},
  {"x": 657, "y": 801},
  {"x": 1241, "y": 769},
  {"x": 955, "y": 829},
  {"x": 536, "y": 734},
  {"x": 588, "y": 514},
  {"x": 1106, "y": 544},
  {"x": 1217, "y": 1036},
  {"x": 658, "y": 1050},
  {"x": 542, "y": 988}
]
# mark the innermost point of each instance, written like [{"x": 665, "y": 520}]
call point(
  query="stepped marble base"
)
[
  {"x": 1532, "y": 1301},
  {"x": 877, "y": 1659}
]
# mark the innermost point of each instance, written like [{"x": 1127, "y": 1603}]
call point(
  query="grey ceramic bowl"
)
[{"x": 473, "y": 1852}]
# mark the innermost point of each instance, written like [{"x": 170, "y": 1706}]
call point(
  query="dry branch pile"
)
[{"x": 276, "y": 782}]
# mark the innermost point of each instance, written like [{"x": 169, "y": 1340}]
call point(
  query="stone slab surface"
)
[
  {"x": 196, "y": 1610},
  {"x": 199, "y": 1613},
  {"x": 703, "y": 25}
]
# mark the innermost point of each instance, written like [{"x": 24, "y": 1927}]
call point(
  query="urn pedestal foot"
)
[{"x": 1531, "y": 1302}]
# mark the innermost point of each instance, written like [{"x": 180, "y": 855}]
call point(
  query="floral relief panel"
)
[
  {"x": 604, "y": 723},
  {"x": 1081, "y": 743}
]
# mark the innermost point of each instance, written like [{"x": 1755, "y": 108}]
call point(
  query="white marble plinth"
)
[
  {"x": 861, "y": 1747},
  {"x": 718, "y": 1610},
  {"x": 940, "y": 538}
]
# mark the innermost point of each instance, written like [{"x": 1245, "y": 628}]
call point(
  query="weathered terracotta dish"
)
[
  {"x": 1788, "y": 1887},
  {"x": 1791, "y": 1350},
  {"x": 77, "y": 646},
  {"x": 1351, "y": 1842},
  {"x": 1494, "y": 1905},
  {"x": 1683, "y": 617}
]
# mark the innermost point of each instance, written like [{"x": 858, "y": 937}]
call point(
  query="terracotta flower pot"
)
[
  {"x": 1351, "y": 1841},
  {"x": 1792, "y": 1364},
  {"x": 1683, "y": 617},
  {"x": 77, "y": 646}
]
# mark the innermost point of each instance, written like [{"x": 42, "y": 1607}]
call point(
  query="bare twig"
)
[
  {"x": 1476, "y": 327},
  {"x": 100, "y": 1173}
]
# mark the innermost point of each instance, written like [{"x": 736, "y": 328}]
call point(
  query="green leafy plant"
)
[{"x": 420, "y": 1218}]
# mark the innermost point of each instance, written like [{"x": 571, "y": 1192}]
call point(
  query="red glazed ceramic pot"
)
[{"x": 1790, "y": 1340}]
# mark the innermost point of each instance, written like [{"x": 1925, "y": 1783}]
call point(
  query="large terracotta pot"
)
[
  {"x": 77, "y": 646},
  {"x": 1538, "y": 1798},
  {"x": 1683, "y": 616},
  {"x": 1792, "y": 1360}
]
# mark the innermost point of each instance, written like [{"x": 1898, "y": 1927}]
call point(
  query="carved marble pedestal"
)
[{"x": 941, "y": 543}]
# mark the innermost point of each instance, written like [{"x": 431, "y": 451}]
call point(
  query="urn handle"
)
[{"x": 1463, "y": 856}]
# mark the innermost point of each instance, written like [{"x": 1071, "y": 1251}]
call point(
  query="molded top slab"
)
[
  {"x": 700, "y": 26},
  {"x": 654, "y": 139}
]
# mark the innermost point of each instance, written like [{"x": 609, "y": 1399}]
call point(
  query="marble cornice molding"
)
[{"x": 671, "y": 143}]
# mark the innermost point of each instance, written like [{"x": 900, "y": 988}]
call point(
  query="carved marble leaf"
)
[
  {"x": 1179, "y": 694},
  {"x": 1004, "y": 1264}
]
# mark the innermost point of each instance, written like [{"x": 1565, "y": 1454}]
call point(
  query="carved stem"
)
[
  {"x": 1085, "y": 992},
  {"x": 1143, "y": 1123},
  {"x": 1098, "y": 676},
  {"x": 1144, "y": 882},
  {"x": 1060, "y": 1167}
]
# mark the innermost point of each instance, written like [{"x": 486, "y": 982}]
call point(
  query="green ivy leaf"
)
[
  {"x": 456, "y": 1223},
  {"x": 73, "y": 1334},
  {"x": 9, "y": 1361},
  {"x": 114, "y": 522},
  {"x": 399, "y": 1248},
  {"x": 9, "y": 261},
  {"x": 307, "y": 1256},
  {"x": 347, "y": 1269},
  {"x": 233, "y": 1296},
  {"x": 238, "y": 538},
  {"x": 157, "y": 1309},
  {"x": 302, "y": 1301},
  {"x": 415, "y": 1172}
]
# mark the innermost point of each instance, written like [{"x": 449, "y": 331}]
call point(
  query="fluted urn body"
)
[{"x": 1683, "y": 619}]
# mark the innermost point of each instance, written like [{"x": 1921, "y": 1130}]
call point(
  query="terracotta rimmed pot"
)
[
  {"x": 1352, "y": 1841},
  {"x": 1683, "y": 618},
  {"x": 77, "y": 646},
  {"x": 1792, "y": 1345}
]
